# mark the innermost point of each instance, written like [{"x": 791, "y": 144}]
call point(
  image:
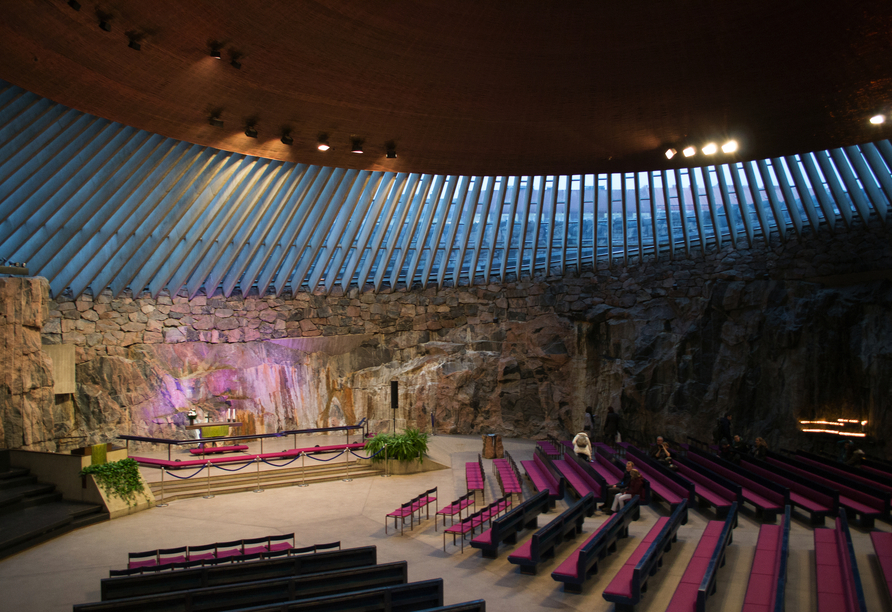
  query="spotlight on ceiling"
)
[
  {"x": 670, "y": 153},
  {"x": 105, "y": 25},
  {"x": 215, "y": 120},
  {"x": 356, "y": 145},
  {"x": 729, "y": 147},
  {"x": 74, "y": 4},
  {"x": 710, "y": 148},
  {"x": 390, "y": 148},
  {"x": 215, "y": 53},
  {"x": 689, "y": 151},
  {"x": 236, "y": 64},
  {"x": 251, "y": 131},
  {"x": 878, "y": 119},
  {"x": 287, "y": 139},
  {"x": 134, "y": 44},
  {"x": 322, "y": 143}
]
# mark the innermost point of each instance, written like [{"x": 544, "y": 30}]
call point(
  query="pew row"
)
[
  {"x": 838, "y": 579},
  {"x": 815, "y": 499},
  {"x": 543, "y": 543},
  {"x": 425, "y": 596},
  {"x": 698, "y": 581},
  {"x": 545, "y": 477},
  {"x": 767, "y": 497},
  {"x": 180, "y": 580},
  {"x": 583, "y": 562},
  {"x": 259, "y": 592},
  {"x": 631, "y": 580},
  {"x": 506, "y": 527},
  {"x": 766, "y": 587}
]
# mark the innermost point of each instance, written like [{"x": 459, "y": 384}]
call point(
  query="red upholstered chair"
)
[
  {"x": 281, "y": 542},
  {"x": 202, "y": 553},
  {"x": 255, "y": 546},
  {"x": 404, "y": 511},
  {"x": 226, "y": 550},
  {"x": 142, "y": 559},
  {"x": 172, "y": 555}
]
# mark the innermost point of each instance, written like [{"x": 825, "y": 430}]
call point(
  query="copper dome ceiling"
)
[{"x": 485, "y": 88}]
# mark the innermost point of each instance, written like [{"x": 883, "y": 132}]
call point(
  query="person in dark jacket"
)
[
  {"x": 622, "y": 484},
  {"x": 611, "y": 426},
  {"x": 741, "y": 449},
  {"x": 761, "y": 449},
  {"x": 636, "y": 487},
  {"x": 726, "y": 428}
]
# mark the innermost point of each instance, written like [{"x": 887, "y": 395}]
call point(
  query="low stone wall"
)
[{"x": 770, "y": 333}]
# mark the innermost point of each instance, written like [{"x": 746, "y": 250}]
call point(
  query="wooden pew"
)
[
  {"x": 541, "y": 546},
  {"x": 710, "y": 488},
  {"x": 766, "y": 588},
  {"x": 667, "y": 485},
  {"x": 838, "y": 580},
  {"x": 583, "y": 562},
  {"x": 179, "y": 580},
  {"x": 413, "y": 597},
  {"x": 817, "y": 500},
  {"x": 581, "y": 477},
  {"x": 545, "y": 476},
  {"x": 631, "y": 580},
  {"x": 259, "y": 592},
  {"x": 506, "y": 527},
  {"x": 767, "y": 497},
  {"x": 698, "y": 581}
]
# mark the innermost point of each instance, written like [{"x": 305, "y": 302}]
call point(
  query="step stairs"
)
[
  {"x": 247, "y": 479},
  {"x": 33, "y": 512}
]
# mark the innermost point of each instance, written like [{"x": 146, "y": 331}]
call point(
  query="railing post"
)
[
  {"x": 162, "y": 504},
  {"x": 347, "y": 455},
  {"x": 303, "y": 469},
  {"x": 208, "y": 465},
  {"x": 385, "y": 474},
  {"x": 258, "y": 489}
]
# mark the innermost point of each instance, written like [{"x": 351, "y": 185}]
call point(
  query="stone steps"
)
[
  {"x": 32, "y": 512},
  {"x": 247, "y": 480}
]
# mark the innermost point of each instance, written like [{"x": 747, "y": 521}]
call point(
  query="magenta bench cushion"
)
[
  {"x": 621, "y": 584},
  {"x": 218, "y": 449}
]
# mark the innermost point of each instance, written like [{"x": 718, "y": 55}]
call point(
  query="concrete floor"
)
[{"x": 67, "y": 570}]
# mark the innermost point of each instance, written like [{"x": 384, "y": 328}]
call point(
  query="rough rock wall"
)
[
  {"x": 28, "y": 416},
  {"x": 672, "y": 343}
]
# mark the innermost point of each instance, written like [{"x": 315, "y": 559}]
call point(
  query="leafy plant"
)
[
  {"x": 407, "y": 446},
  {"x": 120, "y": 478}
]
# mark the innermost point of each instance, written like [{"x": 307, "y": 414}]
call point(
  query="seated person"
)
[
  {"x": 621, "y": 485},
  {"x": 582, "y": 446},
  {"x": 636, "y": 487},
  {"x": 761, "y": 449},
  {"x": 740, "y": 449},
  {"x": 662, "y": 453}
]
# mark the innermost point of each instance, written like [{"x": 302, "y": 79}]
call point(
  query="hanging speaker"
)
[{"x": 394, "y": 394}]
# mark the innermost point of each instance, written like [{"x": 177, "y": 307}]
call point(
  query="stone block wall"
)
[{"x": 671, "y": 343}]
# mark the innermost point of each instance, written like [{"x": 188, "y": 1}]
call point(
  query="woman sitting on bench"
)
[
  {"x": 622, "y": 485},
  {"x": 636, "y": 487}
]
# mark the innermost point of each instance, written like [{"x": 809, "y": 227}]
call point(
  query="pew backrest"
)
[{"x": 178, "y": 580}]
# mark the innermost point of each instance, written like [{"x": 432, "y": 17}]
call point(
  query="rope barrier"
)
[
  {"x": 369, "y": 457},
  {"x": 326, "y": 460},
  {"x": 170, "y": 473},
  {"x": 228, "y": 470},
  {"x": 283, "y": 465}
]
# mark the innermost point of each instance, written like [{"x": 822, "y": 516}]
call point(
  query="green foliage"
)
[
  {"x": 407, "y": 446},
  {"x": 120, "y": 478}
]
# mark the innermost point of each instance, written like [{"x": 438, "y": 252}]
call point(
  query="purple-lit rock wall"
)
[{"x": 673, "y": 344}]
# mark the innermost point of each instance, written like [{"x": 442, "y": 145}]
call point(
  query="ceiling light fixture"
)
[
  {"x": 356, "y": 145},
  {"x": 251, "y": 131},
  {"x": 287, "y": 138},
  {"x": 878, "y": 119},
  {"x": 105, "y": 25},
  {"x": 689, "y": 151},
  {"x": 710, "y": 149},
  {"x": 670, "y": 153},
  {"x": 322, "y": 143},
  {"x": 215, "y": 119},
  {"x": 390, "y": 148},
  {"x": 74, "y": 4},
  {"x": 729, "y": 147},
  {"x": 215, "y": 53},
  {"x": 236, "y": 64}
]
